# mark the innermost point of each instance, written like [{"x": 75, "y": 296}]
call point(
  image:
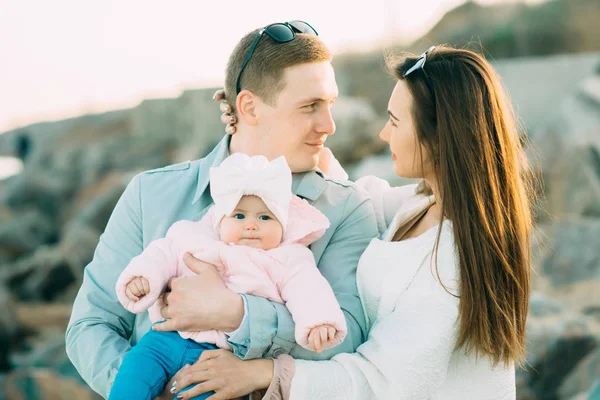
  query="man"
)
[{"x": 283, "y": 107}]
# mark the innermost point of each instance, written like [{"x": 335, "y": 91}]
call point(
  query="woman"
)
[{"x": 446, "y": 288}]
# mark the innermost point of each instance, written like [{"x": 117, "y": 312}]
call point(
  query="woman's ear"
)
[{"x": 246, "y": 103}]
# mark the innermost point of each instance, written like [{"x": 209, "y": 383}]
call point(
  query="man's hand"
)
[
  {"x": 200, "y": 303},
  {"x": 321, "y": 335}
]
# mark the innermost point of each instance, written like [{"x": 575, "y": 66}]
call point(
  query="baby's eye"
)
[
  {"x": 239, "y": 216},
  {"x": 264, "y": 218}
]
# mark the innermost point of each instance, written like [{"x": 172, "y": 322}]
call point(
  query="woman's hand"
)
[
  {"x": 227, "y": 118},
  {"x": 224, "y": 373}
]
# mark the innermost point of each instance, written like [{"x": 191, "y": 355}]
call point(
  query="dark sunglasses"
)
[
  {"x": 419, "y": 65},
  {"x": 281, "y": 32}
]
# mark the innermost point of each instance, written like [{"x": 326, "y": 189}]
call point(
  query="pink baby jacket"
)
[{"x": 286, "y": 274}]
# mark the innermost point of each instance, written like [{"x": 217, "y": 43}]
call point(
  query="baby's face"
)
[{"x": 251, "y": 224}]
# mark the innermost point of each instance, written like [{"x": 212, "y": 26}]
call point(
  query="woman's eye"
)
[
  {"x": 239, "y": 216},
  {"x": 392, "y": 122},
  {"x": 264, "y": 218},
  {"x": 311, "y": 106}
]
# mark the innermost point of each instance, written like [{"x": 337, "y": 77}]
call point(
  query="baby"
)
[{"x": 256, "y": 236}]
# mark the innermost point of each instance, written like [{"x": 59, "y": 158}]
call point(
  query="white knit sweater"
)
[{"x": 412, "y": 321}]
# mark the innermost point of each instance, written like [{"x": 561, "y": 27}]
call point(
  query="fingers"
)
[
  {"x": 323, "y": 335},
  {"x": 165, "y": 300},
  {"x": 219, "y": 95},
  {"x": 199, "y": 389},
  {"x": 208, "y": 355},
  {"x": 194, "y": 374},
  {"x": 172, "y": 385},
  {"x": 166, "y": 326},
  {"x": 331, "y": 331},
  {"x": 146, "y": 285},
  {"x": 130, "y": 294},
  {"x": 193, "y": 263},
  {"x": 317, "y": 340},
  {"x": 225, "y": 107},
  {"x": 228, "y": 119},
  {"x": 138, "y": 289},
  {"x": 222, "y": 395}
]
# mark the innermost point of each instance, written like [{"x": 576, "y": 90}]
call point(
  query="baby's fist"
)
[
  {"x": 321, "y": 335},
  {"x": 137, "y": 288}
]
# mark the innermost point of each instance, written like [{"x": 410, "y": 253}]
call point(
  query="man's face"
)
[{"x": 300, "y": 121}]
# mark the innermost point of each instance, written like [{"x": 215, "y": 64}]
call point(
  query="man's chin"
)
[{"x": 307, "y": 164}]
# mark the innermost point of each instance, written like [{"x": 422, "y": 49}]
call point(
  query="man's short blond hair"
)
[{"x": 263, "y": 74}]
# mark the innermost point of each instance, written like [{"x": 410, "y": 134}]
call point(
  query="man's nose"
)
[{"x": 326, "y": 125}]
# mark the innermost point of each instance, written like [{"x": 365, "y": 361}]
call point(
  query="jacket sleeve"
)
[
  {"x": 98, "y": 331},
  {"x": 310, "y": 299},
  {"x": 405, "y": 357}
]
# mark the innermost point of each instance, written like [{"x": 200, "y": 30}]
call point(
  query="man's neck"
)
[{"x": 242, "y": 142}]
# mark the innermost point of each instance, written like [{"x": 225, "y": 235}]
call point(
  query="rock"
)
[
  {"x": 557, "y": 343},
  {"x": 22, "y": 232},
  {"x": 583, "y": 376},
  {"x": 573, "y": 183},
  {"x": 574, "y": 256},
  {"x": 558, "y": 362},
  {"x": 193, "y": 120},
  {"x": 38, "y": 383},
  {"x": 357, "y": 130},
  {"x": 41, "y": 276},
  {"x": 594, "y": 392},
  {"x": 39, "y": 316},
  {"x": 566, "y": 151},
  {"x": 542, "y": 306},
  {"x": 9, "y": 328}
]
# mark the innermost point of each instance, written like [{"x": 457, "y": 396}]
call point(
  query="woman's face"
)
[{"x": 401, "y": 135}]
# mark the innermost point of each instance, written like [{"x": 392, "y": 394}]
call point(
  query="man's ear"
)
[{"x": 246, "y": 104}]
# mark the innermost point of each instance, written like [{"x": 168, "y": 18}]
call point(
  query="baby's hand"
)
[
  {"x": 137, "y": 288},
  {"x": 321, "y": 335}
]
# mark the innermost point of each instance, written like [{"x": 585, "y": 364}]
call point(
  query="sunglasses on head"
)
[
  {"x": 281, "y": 32},
  {"x": 420, "y": 65}
]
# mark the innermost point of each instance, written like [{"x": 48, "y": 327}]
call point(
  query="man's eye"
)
[
  {"x": 392, "y": 122},
  {"x": 264, "y": 217},
  {"x": 311, "y": 106},
  {"x": 239, "y": 216}
]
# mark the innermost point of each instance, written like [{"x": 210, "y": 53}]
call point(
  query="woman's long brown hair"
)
[{"x": 465, "y": 121}]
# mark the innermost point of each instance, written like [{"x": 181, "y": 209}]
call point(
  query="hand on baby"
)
[
  {"x": 137, "y": 288},
  {"x": 320, "y": 336}
]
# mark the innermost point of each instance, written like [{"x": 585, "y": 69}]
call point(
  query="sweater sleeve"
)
[
  {"x": 385, "y": 198},
  {"x": 406, "y": 355}
]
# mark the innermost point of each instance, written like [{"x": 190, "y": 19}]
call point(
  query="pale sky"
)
[{"x": 62, "y": 58}]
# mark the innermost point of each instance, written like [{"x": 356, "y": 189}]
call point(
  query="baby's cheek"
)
[
  {"x": 272, "y": 237},
  {"x": 229, "y": 234}
]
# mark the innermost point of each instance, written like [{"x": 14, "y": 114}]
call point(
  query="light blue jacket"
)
[{"x": 101, "y": 331}]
